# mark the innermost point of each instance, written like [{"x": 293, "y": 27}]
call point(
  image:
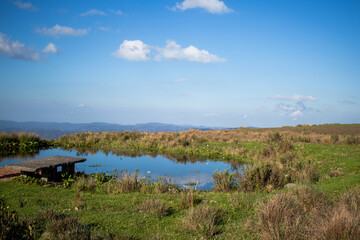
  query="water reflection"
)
[
  {"x": 181, "y": 170},
  {"x": 20, "y": 156}
]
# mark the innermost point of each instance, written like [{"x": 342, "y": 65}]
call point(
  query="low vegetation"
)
[
  {"x": 22, "y": 142},
  {"x": 298, "y": 183}
]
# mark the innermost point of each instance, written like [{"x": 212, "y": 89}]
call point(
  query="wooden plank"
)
[{"x": 42, "y": 163}]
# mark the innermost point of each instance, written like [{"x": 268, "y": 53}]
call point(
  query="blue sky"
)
[{"x": 223, "y": 63}]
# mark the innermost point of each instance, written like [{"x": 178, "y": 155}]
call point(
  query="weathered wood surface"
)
[{"x": 43, "y": 163}]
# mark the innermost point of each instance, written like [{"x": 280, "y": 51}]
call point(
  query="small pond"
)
[{"x": 183, "y": 173}]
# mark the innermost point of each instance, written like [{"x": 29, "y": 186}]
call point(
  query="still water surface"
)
[{"x": 180, "y": 173}]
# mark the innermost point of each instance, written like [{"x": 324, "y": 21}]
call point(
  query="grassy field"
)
[{"x": 303, "y": 183}]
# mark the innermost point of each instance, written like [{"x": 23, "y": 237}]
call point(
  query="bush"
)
[
  {"x": 261, "y": 175},
  {"x": 204, "y": 220},
  {"x": 334, "y": 138},
  {"x": 353, "y": 140},
  {"x": 274, "y": 137},
  {"x": 285, "y": 146}
]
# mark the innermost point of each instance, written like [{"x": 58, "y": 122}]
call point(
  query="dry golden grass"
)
[{"x": 307, "y": 213}]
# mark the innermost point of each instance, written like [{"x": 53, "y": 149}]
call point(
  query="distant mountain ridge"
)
[{"x": 53, "y": 130}]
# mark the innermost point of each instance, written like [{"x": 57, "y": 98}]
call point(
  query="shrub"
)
[
  {"x": 268, "y": 152},
  {"x": 275, "y": 137},
  {"x": 224, "y": 181},
  {"x": 334, "y": 138},
  {"x": 155, "y": 207},
  {"x": 285, "y": 146},
  {"x": 204, "y": 220},
  {"x": 263, "y": 174},
  {"x": 352, "y": 140}
]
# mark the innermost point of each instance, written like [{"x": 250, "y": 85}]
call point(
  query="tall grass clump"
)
[
  {"x": 340, "y": 223},
  {"x": 282, "y": 217},
  {"x": 313, "y": 201},
  {"x": 62, "y": 227},
  {"x": 353, "y": 140},
  {"x": 204, "y": 221},
  {"x": 84, "y": 184},
  {"x": 124, "y": 183},
  {"x": 188, "y": 199},
  {"x": 275, "y": 137},
  {"x": 308, "y": 213},
  {"x": 274, "y": 170},
  {"x": 224, "y": 181},
  {"x": 351, "y": 200},
  {"x": 263, "y": 175},
  {"x": 155, "y": 207}
]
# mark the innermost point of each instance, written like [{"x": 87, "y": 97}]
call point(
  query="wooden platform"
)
[{"x": 47, "y": 167}]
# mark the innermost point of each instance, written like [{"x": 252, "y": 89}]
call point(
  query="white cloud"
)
[
  {"x": 295, "y": 97},
  {"x": 245, "y": 116},
  {"x": 50, "y": 48},
  {"x": 17, "y": 50},
  {"x": 93, "y": 12},
  {"x": 347, "y": 101},
  {"x": 106, "y": 29},
  {"x": 292, "y": 110},
  {"x": 81, "y": 105},
  {"x": 118, "y": 12},
  {"x": 296, "y": 114},
  {"x": 173, "y": 51},
  {"x": 133, "y": 50},
  {"x": 209, "y": 115},
  {"x": 138, "y": 51},
  {"x": 180, "y": 80},
  {"x": 212, "y": 6},
  {"x": 26, "y": 6},
  {"x": 58, "y": 30}
]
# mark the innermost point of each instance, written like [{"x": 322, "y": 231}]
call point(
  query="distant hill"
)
[{"x": 53, "y": 130}]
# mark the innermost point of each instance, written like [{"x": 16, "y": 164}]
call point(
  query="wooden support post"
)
[
  {"x": 49, "y": 173},
  {"x": 69, "y": 168}
]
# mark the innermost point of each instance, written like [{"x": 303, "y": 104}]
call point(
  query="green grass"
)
[
  {"x": 120, "y": 214},
  {"x": 138, "y": 215},
  {"x": 329, "y": 158}
]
